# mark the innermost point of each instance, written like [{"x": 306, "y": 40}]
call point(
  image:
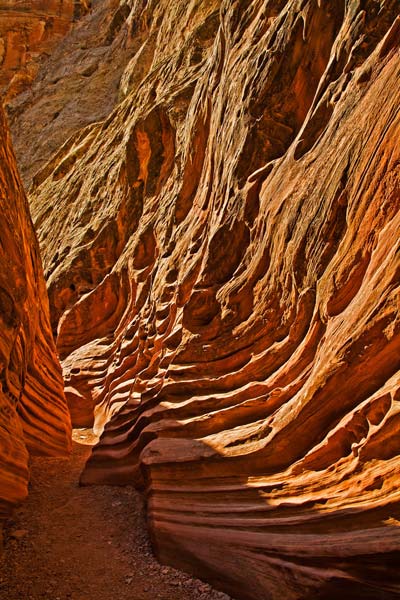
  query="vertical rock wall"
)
[
  {"x": 34, "y": 415},
  {"x": 222, "y": 256},
  {"x": 29, "y": 29},
  {"x": 77, "y": 85}
]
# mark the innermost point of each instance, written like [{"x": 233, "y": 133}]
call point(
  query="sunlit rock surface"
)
[
  {"x": 28, "y": 30},
  {"x": 34, "y": 415},
  {"x": 222, "y": 257}
]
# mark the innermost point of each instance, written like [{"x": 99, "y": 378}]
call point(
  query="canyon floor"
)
[{"x": 68, "y": 542}]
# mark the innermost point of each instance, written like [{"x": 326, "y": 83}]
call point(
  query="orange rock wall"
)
[
  {"x": 223, "y": 271},
  {"x": 34, "y": 415},
  {"x": 29, "y": 29}
]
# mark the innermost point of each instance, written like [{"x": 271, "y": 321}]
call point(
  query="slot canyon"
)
[{"x": 200, "y": 299}]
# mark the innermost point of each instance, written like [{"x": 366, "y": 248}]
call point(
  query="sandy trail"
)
[{"x": 90, "y": 543}]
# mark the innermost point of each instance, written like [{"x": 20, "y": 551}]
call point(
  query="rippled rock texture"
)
[
  {"x": 222, "y": 257},
  {"x": 28, "y": 30},
  {"x": 34, "y": 415}
]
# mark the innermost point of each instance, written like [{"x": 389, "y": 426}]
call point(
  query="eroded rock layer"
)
[
  {"x": 28, "y": 30},
  {"x": 34, "y": 414},
  {"x": 223, "y": 270}
]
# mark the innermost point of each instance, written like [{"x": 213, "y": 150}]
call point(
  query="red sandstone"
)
[
  {"x": 34, "y": 414},
  {"x": 223, "y": 273}
]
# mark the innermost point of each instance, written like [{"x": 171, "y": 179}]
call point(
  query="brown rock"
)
[
  {"x": 34, "y": 415},
  {"x": 19, "y": 534},
  {"x": 77, "y": 85},
  {"x": 28, "y": 30},
  {"x": 223, "y": 271}
]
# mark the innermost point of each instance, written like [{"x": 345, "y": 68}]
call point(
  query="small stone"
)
[
  {"x": 18, "y": 534},
  {"x": 204, "y": 587}
]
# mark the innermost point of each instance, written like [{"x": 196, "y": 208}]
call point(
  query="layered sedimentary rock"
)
[
  {"x": 28, "y": 30},
  {"x": 34, "y": 414},
  {"x": 222, "y": 257}
]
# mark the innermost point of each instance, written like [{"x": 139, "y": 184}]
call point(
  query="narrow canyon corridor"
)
[
  {"x": 200, "y": 264},
  {"x": 85, "y": 543}
]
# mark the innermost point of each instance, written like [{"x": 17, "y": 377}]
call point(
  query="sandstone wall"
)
[
  {"x": 77, "y": 85},
  {"x": 28, "y": 30},
  {"x": 34, "y": 414},
  {"x": 222, "y": 256}
]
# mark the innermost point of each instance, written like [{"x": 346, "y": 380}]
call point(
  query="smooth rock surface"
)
[
  {"x": 222, "y": 257},
  {"x": 34, "y": 415}
]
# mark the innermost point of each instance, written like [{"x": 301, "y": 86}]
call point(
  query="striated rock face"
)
[
  {"x": 28, "y": 30},
  {"x": 222, "y": 258},
  {"x": 34, "y": 414}
]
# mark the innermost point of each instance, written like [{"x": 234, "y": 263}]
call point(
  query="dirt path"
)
[{"x": 72, "y": 543}]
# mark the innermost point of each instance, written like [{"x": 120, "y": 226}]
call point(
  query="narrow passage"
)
[{"x": 71, "y": 543}]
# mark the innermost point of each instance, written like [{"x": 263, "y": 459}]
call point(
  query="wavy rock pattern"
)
[
  {"x": 34, "y": 414},
  {"x": 223, "y": 270}
]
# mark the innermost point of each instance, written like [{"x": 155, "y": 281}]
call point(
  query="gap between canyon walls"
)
[
  {"x": 223, "y": 273},
  {"x": 65, "y": 541},
  {"x": 91, "y": 543}
]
